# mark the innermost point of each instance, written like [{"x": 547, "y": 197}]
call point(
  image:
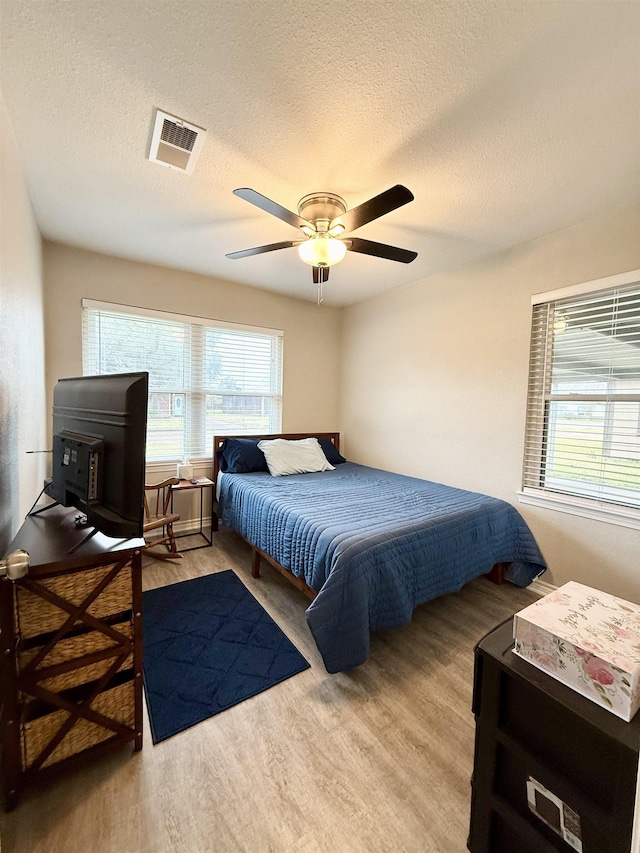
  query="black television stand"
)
[
  {"x": 80, "y": 521},
  {"x": 89, "y": 536},
  {"x": 34, "y": 511}
]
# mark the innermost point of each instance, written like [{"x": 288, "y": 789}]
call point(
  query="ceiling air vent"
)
[{"x": 175, "y": 143}]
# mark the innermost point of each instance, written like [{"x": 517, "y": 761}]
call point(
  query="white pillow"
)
[{"x": 294, "y": 457}]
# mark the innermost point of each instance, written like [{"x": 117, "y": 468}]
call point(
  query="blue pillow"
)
[
  {"x": 334, "y": 457},
  {"x": 241, "y": 456}
]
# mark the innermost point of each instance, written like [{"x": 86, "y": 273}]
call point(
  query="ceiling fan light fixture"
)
[{"x": 321, "y": 250}]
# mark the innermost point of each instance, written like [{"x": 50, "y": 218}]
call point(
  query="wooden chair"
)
[{"x": 157, "y": 514}]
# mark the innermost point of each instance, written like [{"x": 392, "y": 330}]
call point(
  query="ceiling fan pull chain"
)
[{"x": 320, "y": 297}]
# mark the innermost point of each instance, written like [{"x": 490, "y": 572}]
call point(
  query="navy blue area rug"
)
[{"x": 208, "y": 644}]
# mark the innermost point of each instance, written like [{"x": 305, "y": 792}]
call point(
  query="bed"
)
[{"x": 367, "y": 546}]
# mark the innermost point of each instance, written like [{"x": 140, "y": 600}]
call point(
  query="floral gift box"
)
[{"x": 588, "y": 640}]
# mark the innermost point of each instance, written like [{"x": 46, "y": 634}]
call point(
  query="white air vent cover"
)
[{"x": 175, "y": 143}]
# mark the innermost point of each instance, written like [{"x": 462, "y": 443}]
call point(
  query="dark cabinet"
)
[
  {"x": 71, "y": 649},
  {"x": 552, "y": 770}
]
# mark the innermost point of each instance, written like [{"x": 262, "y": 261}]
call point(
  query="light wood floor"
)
[{"x": 378, "y": 759}]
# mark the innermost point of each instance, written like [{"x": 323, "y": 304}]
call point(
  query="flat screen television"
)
[{"x": 99, "y": 438}]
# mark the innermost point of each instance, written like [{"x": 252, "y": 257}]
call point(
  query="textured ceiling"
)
[{"x": 507, "y": 120}]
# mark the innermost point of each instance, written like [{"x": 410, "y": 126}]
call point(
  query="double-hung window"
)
[
  {"x": 206, "y": 377},
  {"x": 583, "y": 414}
]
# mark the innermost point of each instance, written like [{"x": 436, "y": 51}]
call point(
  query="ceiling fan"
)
[{"x": 323, "y": 218}]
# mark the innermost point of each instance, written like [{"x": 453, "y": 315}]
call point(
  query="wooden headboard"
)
[{"x": 291, "y": 436}]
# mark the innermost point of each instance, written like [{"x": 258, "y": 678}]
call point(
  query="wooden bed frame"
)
[{"x": 496, "y": 575}]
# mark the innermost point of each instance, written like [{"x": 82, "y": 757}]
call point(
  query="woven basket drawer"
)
[
  {"x": 72, "y": 649},
  {"x": 36, "y": 616},
  {"x": 117, "y": 704},
  {"x": 84, "y": 675}
]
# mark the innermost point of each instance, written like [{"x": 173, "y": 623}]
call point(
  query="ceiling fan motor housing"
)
[{"x": 321, "y": 209}]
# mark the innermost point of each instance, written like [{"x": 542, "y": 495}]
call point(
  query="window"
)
[
  {"x": 205, "y": 377},
  {"x": 583, "y": 410}
]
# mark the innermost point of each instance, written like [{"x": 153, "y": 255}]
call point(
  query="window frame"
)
[
  {"x": 195, "y": 363},
  {"x": 586, "y": 507}
]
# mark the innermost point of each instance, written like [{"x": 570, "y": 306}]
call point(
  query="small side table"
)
[{"x": 201, "y": 483}]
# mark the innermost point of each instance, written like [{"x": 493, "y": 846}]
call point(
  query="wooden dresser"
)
[{"x": 71, "y": 649}]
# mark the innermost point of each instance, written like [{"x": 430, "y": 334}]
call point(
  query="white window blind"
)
[
  {"x": 205, "y": 377},
  {"x": 583, "y": 412}
]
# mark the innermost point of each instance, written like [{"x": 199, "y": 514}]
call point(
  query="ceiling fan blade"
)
[
  {"x": 259, "y": 250},
  {"x": 316, "y": 274},
  {"x": 377, "y": 206},
  {"x": 380, "y": 250},
  {"x": 272, "y": 207}
]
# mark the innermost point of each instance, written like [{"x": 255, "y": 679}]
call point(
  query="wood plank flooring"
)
[{"x": 378, "y": 759}]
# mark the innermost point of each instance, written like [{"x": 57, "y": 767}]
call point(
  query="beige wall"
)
[
  {"x": 432, "y": 376},
  {"x": 434, "y": 384},
  {"x": 311, "y": 333},
  {"x": 22, "y": 406}
]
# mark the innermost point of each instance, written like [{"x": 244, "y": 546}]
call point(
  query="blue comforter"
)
[{"x": 374, "y": 545}]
